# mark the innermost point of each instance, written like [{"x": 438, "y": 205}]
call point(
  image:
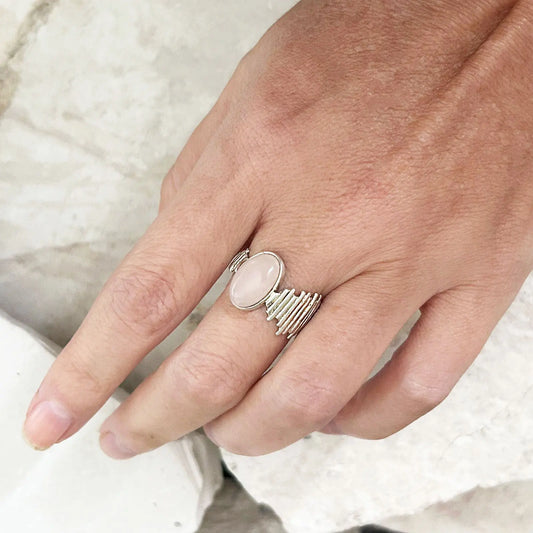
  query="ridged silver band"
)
[
  {"x": 290, "y": 310},
  {"x": 238, "y": 260}
]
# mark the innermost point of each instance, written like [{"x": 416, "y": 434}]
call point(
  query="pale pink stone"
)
[{"x": 254, "y": 279}]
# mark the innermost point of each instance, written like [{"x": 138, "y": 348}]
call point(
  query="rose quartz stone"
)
[{"x": 254, "y": 279}]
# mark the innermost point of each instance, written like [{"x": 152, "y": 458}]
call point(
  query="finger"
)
[
  {"x": 321, "y": 370},
  {"x": 450, "y": 333},
  {"x": 207, "y": 375},
  {"x": 154, "y": 289}
]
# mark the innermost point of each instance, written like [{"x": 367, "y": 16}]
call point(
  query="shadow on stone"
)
[
  {"x": 235, "y": 511},
  {"x": 9, "y": 81},
  {"x": 369, "y": 529}
]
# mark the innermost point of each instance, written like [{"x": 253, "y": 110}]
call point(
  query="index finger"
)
[{"x": 156, "y": 286}]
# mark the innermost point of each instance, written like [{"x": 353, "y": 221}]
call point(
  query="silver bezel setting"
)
[{"x": 243, "y": 257}]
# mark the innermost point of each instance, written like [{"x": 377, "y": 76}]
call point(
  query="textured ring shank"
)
[{"x": 291, "y": 312}]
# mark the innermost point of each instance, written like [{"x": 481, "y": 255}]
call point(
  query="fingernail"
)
[
  {"x": 45, "y": 424},
  {"x": 113, "y": 447}
]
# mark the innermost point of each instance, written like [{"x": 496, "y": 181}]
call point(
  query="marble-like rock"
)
[
  {"x": 73, "y": 486},
  {"x": 102, "y": 96},
  {"x": 13, "y": 15},
  {"x": 507, "y": 508},
  {"x": 480, "y": 436}
]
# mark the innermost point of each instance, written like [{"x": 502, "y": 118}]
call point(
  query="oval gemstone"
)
[{"x": 254, "y": 280}]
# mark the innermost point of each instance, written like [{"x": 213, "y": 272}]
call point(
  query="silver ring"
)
[{"x": 255, "y": 282}]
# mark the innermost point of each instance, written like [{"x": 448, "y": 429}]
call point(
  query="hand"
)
[{"x": 384, "y": 150}]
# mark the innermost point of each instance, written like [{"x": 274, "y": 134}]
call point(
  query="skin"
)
[{"x": 384, "y": 150}]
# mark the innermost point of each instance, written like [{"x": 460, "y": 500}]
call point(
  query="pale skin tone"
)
[{"x": 384, "y": 150}]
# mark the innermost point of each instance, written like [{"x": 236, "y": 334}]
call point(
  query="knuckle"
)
[
  {"x": 245, "y": 65},
  {"x": 423, "y": 393},
  {"x": 289, "y": 91},
  {"x": 168, "y": 185},
  {"x": 210, "y": 378},
  {"x": 144, "y": 300},
  {"x": 268, "y": 128},
  {"x": 167, "y": 192},
  {"x": 308, "y": 398},
  {"x": 277, "y": 110}
]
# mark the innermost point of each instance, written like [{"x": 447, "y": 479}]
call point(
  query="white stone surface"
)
[
  {"x": 73, "y": 486},
  {"x": 506, "y": 508},
  {"x": 482, "y": 435},
  {"x": 107, "y": 94},
  {"x": 12, "y": 16}
]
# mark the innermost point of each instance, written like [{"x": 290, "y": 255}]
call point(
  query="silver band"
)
[{"x": 291, "y": 311}]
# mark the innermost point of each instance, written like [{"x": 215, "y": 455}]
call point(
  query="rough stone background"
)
[{"x": 96, "y": 100}]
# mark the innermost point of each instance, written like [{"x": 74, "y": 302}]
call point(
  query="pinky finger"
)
[{"x": 449, "y": 335}]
